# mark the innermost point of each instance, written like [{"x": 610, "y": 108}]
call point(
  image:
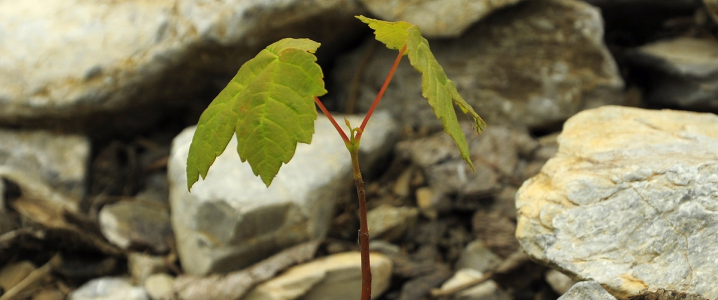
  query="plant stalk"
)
[{"x": 363, "y": 228}]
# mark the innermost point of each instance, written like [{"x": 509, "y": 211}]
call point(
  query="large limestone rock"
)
[
  {"x": 436, "y": 18},
  {"x": 682, "y": 72},
  {"x": 58, "y": 161},
  {"x": 532, "y": 64},
  {"x": 629, "y": 201},
  {"x": 231, "y": 219},
  {"x": 71, "y": 60},
  {"x": 333, "y": 277}
]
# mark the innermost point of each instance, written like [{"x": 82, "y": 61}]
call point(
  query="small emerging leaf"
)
[
  {"x": 270, "y": 106},
  {"x": 436, "y": 87}
]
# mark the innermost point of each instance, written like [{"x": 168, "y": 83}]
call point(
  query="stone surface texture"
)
[
  {"x": 497, "y": 153},
  {"x": 436, "y": 18},
  {"x": 137, "y": 224},
  {"x": 71, "y": 60},
  {"x": 587, "y": 290},
  {"x": 683, "y": 72},
  {"x": 59, "y": 161},
  {"x": 532, "y": 64},
  {"x": 333, "y": 277},
  {"x": 390, "y": 223},
  {"x": 108, "y": 288},
  {"x": 231, "y": 219},
  {"x": 630, "y": 200}
]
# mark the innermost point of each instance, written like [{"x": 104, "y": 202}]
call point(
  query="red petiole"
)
[{"x": 373, "y": 105}]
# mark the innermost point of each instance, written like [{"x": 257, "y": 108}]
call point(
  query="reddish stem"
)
[
  {"x": 363, "y": 228},
  {"x": 381, "y": 92},
  {"x": 331, "y": 119}
]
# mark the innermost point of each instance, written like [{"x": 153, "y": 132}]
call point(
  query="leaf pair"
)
[{"x": 269, "y": 104}]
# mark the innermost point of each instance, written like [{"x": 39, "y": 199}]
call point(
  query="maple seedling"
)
[{"x": 269, "y": 105}]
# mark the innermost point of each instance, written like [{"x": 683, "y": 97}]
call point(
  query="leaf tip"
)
[{"x": 267, "y": 180}]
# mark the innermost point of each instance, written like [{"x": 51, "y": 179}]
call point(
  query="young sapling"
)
[{"x": 269, "y": 106}]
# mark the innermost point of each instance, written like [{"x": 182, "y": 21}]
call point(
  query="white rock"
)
[
  {"x": 478, "y": 257},
  {"x": 158, "y": 285},
  {"x": 70, "y": 61},
  {"x": 108, "y": 288},
  {"x": 333, "y": 277},
  {"x": 60, "y": 161},
  {"x": 231, "y": 219},
  {"x": 587, "y": 290},
  {"x": 390, "y": 223},
  {"x": 629, "y": 201},
  {"x": 436, "y": 18}
]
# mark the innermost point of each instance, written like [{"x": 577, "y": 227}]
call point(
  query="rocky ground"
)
[{"x": 583, "y": 186}]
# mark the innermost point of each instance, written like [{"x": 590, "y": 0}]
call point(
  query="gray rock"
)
[
  {"x": 384, "y": 247},
  {"x": 390, "y": 223},
  {"x": 436, "y": 18},
  {"x": 559, "y": 282},
  {"x": 59, "y": 161},
  {"x": 487, "y": 290},
  {"x": 137, "y": 224},
  {"x": 236, "y": 284},
  {"x": 108, "y": 288},
  {"x": 682, "y": 72},
  {"x": 71, "y": 63},
  {"x": 533, "y": 64},
  {"x": 478, "y": 257},
  {"x": 333, "y": 277},
  {"x": 495, "y": 154},
  {"x": 231, "y": 219},
  {"x": 629, "y": 201},
  {"x": 587, "y": 290}
]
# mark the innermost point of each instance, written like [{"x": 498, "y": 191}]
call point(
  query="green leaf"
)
[
  {"x": 270, "y": 106},
  {"x": 392, "y": 34},
  {"x": 436, "y": 87}
]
